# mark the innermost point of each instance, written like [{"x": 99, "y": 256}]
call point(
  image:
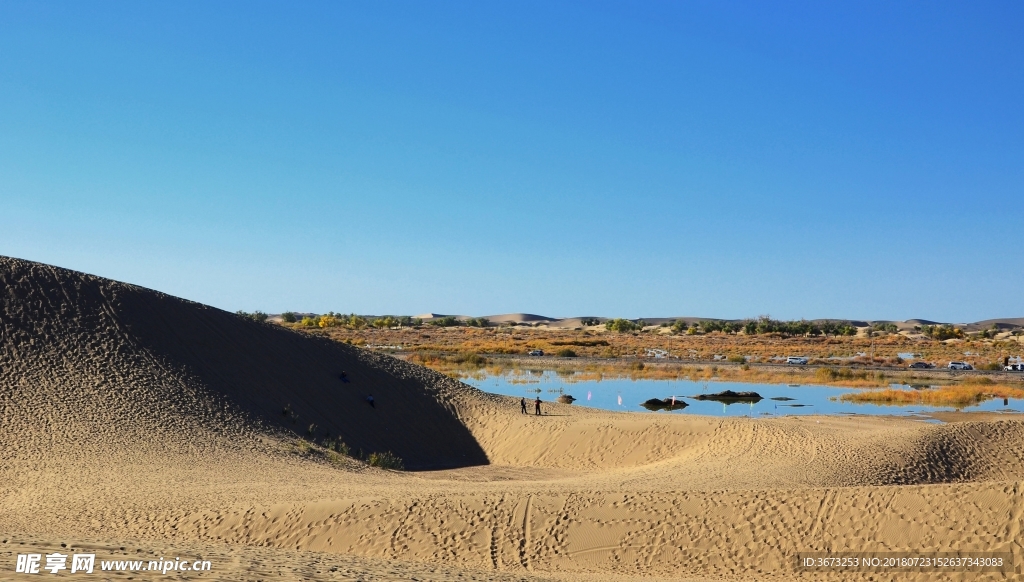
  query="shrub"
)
[
  {"x": 581, "y": 343},
  {"x": 325, "y": 321},
  {"x": 942, "y": 332},
  {"x": 737, "y": 359},
  {"x": 622, "y": 325},
  {"x": 289, "y": 317},
  {"x": 833, "y": 374},
  {"x": 447, "y": 321},
  {"x": 679, "y": 326},
  {"x": 565, "y": 353},
  {"x": 588, "y": 321},
  {"x": 708, "y": 326},
  {"x": 386, "y": 460},
  {"x": 766, "y": 325},
  {"x": 388, "y": 322},
  {"x": 478, "y": 322},
  {"x": 255, "y": 315},
  {"x": 338, "y": 446},
  {"x": 308, "y": 322},
  {"x": 470, "y": 358}
]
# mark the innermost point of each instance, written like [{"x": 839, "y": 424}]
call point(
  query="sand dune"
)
[
  {"x": 1002, "y": 323},
  {"x": 189, "y": 372},
  {"x": 1005, "y": 323},
  {"x": 520, "y": 318},
  {"x": 136, "y": 420}
]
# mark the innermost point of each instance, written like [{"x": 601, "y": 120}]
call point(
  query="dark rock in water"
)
[
  {"x": 728, "y": 397},
  {"x": 797, "y": 405},
  {"x": 783, "y": 398},
  {"x": 666, "y": 404},
  {"x": 566, "y": 399}
]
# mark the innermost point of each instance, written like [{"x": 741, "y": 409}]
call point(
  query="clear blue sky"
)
[{"x": 618, "y": 159}]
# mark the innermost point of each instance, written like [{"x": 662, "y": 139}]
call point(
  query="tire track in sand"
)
[{"x": 524, "y": 543}]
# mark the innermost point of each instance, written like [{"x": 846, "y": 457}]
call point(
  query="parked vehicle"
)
[
  {"x": 922, "y": 365},
  {"x": 960, "y": 366},
  {"x": 536, "y": 352},
  {"x": 797, "y": 360},
  {"x": 1014, "y": 368}
]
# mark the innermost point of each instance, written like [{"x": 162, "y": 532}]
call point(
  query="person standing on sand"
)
[
  {"x": 536, "y": 407},
  {"x": 522, "y": 405}
]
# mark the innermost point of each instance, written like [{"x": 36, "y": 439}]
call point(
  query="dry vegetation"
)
[
  {"x": 597, "y": 352},
  {"x": 439, "y": 343},
  {"x": 962, "y": 394},
  {"x": 597, "y": 342},
  {"x": 461, "y": 366}
]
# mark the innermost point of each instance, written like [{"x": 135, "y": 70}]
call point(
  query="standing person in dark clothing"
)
[
  {"x": 536, "y": 406},
  {"x": 370, "y": 400},
  {"x": 522, "y": 405}
]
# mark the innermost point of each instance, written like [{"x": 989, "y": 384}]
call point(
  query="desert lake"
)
[{"x": 626, "y": 394}]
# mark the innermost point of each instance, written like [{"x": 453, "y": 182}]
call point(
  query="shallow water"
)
[{"x": 626, "y": 395}]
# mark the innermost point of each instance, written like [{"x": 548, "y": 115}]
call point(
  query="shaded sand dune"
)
[
  {"x": 86, "y": 359},
  {"x": 139, "y": 424}
]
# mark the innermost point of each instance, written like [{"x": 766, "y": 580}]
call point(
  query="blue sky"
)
[{"x": 626, "y": 159}]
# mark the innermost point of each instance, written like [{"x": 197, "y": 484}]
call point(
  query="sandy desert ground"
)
[{"x": 138, "y": 425}]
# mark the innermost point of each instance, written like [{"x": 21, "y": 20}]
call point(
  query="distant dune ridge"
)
[
  {"x": 136, "y": 423},
  {"x": 574, "y": 322}
]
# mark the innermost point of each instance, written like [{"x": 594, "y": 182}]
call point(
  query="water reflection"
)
[{"x": 705, "y": 398}]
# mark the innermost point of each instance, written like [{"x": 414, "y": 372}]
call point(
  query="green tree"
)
[
  {"x": 254, "y": 316},
  {"x": 621, "y": 325},
  {"x": 447, "y": 321}
]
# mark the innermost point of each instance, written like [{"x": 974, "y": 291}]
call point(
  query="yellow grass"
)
[
  {"x": 462, "y": 352},
  {"x": 573, "y": 372},
  {"x": 593, "y": 343},
  {"x": 953, "y": 395}
]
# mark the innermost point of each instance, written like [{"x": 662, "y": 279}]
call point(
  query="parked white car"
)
[
  {"x": 1014, "y": 368},
  {"x": 960, "y": 366},
  {"x": 798, "y": 360}
]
